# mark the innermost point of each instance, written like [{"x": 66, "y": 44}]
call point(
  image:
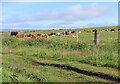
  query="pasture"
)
[{"x": 22, "y": 58}]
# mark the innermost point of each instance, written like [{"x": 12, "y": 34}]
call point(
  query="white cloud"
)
[
  {"x": 29, "y": 26},
  {"x": 71, "y": 13},
  {"x": 100, "y": 24}
]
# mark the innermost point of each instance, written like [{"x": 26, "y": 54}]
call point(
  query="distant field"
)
[{"x": 18, "y": 55}]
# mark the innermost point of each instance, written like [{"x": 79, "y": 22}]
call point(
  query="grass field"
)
[{"x": 17, "y": 56}]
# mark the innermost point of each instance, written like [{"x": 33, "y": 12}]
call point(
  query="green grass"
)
[{"x": 82, "y": 54}]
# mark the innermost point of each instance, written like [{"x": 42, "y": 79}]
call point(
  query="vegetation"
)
[{"x": 18, "y": 52}]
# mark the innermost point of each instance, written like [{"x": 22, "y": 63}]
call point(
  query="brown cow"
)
[
  {"x": 39, "y": 37},
  {"x": 105, "y": 30},
  {"x": 112, "y": 30},
  {"x": 43, "y": 35},
  {"x": 53, "y": 33},
  {"x": 33, "y": 36},
  {"x": 28, "y": 35},
  {"x": 91, "y": 31},
  {"x": 67, "y": 33},
  {"x": 49, "y": 34},
  {"x": 63, "y": 33},
  {"x": 20, "y": 36},
  {"x": 14, "y": 33},
  {"x": 72, "y": 31},
  {"x": 39, "y": 34}
]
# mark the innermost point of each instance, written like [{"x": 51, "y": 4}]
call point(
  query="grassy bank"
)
[{"x": 67, "y": 51}]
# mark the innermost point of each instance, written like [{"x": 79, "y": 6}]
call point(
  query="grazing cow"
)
[
  {"x": 79, "y": 31},
  {"x": 49, "y": 34},
  {"x": 107, "y": 30},
  {"x": 112, "y": 30},
  {"x": 104, "y": 30},
  {"x": 94, "y": 30},
  {"x": 44, "y": 35},
  {"x": 67, "y": 33},
  {"x": 73, "y": 36},
  {"x": 91, "y": 31},
  {"x": 53, "y": 33},
  {"x": 20, "y": 36},
  {"x": 28, "y": 35},
  {"x": 58, "y": 34},
  {"x": 39, "y": 37},
  {"x": 39, "y": 34},
  {"x": 63, "y": 33},
  {"x": 118, "y": 29},
  {"x": 33, "y": 36},
  {"x": 72, "y": 31},
  {"x": 14, "y": 33},
  {"x": 101, "y": 30}
]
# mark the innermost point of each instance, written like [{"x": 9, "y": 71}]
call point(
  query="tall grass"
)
[
  {"x": 103, "y": 54},
  {"x": 17, "y": 51}
]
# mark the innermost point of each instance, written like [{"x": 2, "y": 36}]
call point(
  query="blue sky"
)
[{"x": 56, "y": 15}]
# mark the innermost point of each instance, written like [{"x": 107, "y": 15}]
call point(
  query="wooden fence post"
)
[
  {"x": 77, "y": 36},
  {"x": 96, "y": 37},
  {"x": 47, "y": 38},
  {"x": 60, "y": 36}
]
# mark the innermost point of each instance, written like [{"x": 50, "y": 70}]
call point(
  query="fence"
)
[
  {"x": 96, "y": 37},
  {"x": 96, "y": 41}
]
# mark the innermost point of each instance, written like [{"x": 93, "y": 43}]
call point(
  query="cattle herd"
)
[
  {"x": 41, "y": 35},
  {"x": 112, "y": 30}
]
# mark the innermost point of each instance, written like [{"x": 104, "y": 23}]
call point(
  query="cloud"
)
[
  {"x": 28, "y": 26},
  {"x": 100, "y": 24},
  {"x": 71, "y": 13}
]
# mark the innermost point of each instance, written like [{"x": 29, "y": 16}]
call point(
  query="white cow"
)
[
  {"x": 52, "y": 35},
  {"x": 79, "y": 31},
  {"x": 63, "y": 33},
  {"x": 73, "y": 36},
  {"x": 58, "y": 34},
  {"x": 70, "y": 31}
]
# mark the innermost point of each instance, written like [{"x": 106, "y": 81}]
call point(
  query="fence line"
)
[{"x": 96, "y": 36}]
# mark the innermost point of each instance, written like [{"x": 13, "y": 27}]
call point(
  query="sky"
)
[{"x": 58, "y": 15}]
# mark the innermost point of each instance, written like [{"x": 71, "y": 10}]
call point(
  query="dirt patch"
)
[
  {"x": 17, "y": 65},
  {"x": 89, "y": 73}
]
